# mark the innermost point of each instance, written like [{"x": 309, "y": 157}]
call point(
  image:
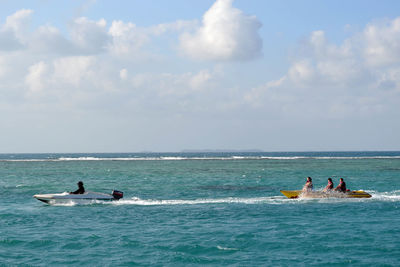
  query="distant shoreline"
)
[{"x": 222, "y": 151}]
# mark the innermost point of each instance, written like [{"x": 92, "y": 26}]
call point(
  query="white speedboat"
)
[{"x": 78, "y": 198}]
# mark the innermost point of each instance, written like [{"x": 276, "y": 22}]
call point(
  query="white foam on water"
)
[
  {"x": 285, "y": 158},
  {"x": 392, "y": 196},
  {"x": 228, "y": 249},
  {"x": 239, "y": 157},
  {"x": 173, "y": 158},
  {"x": 229, "y": 200},
  {"x": 79, "y": 159},
  {"x": 63, "y": 204},
  {"x": 75, "y": 202}
]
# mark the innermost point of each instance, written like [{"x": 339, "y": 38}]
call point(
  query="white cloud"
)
[
  {"x": 123, "y": 74},
  {"x": 8, "y": 41},
  {"x": 171, "y": 93},
  {"x": 96, "y": 63},
  {"x": 35, "y": 78},
  {"x": 72, "y": 70},
  {"x": 382, "y": 41},
  {"x": 225, "y": 34},
  {"x": 126, "y": 38},
  {"x": 388, "y": 80},
  {"x": 200, "y": 80},
  {"x": 169, "y": 84},
  {"x": 3, "y": 67},
  {"x": 326, "y": 79},
  {"x": 361, "y": 60},
  {"x": 48, "y": 40},
  {"x": 13, "y": 34},
  {"x": 90, "y": 36},
  {"x": 177, "y": 26},
  {"x": 302, "y": 72},
  {"x": 19, "y": 22},
  {"x": 325, "y": 63}
]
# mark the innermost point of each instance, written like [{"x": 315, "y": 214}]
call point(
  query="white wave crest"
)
[
  {"x": 228, "y": 249},
  {"x": 79, "y": 159}
]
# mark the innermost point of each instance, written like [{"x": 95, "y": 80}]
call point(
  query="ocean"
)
[{"x": 196, "y": 209}]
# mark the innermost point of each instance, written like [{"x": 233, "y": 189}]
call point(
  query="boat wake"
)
[
  {"x": 229, "y": 200},
  {"x": 168, "y": 202},
  {"x": 393, "y": 196}
]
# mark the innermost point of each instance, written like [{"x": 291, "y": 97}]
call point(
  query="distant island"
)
[{"x": 221, "y": 151}]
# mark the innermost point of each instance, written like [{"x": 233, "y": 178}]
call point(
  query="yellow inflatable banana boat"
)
[{"x": 320, "y": 194}]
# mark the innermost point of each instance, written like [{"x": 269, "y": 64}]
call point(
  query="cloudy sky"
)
[{"x": 127, "y": 76}]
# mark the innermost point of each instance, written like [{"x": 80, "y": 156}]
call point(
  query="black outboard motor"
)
[{"x": 117, "y": 194}]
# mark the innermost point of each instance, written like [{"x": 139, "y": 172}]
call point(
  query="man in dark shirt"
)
[
  {"x": 80, "y": 190},
  {"x": 341, "y": 187}
]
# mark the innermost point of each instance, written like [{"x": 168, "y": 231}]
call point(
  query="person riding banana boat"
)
[
  {"x": 340, "y": 191},
  {"x": 308, "y": 187},
  {"x": 341, "y": 187},
  {"x": 329, "y": 186}
]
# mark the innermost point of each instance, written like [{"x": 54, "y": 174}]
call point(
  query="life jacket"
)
[{"x": 343, "y": 187}]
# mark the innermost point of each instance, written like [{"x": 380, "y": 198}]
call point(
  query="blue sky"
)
[{"x": 125, "y": 76}]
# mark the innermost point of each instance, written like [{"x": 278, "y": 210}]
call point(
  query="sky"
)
[{"x": 165, "y": 76}]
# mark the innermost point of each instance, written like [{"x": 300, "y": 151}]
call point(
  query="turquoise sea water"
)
[{"x": 185, "y": 209}]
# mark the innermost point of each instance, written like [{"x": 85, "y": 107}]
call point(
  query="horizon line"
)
[{"x": 207, "y": 151}]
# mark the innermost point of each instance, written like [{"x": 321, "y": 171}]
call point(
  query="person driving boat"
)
[{"x": 80, "y": 190}]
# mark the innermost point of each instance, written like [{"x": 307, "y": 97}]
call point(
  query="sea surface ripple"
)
[{"x": 216, "y": 209}]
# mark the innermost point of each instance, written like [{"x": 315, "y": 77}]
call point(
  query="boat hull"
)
[
  {"x": 76, "y": 198},
  {"x": 320, "y": 194}
]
